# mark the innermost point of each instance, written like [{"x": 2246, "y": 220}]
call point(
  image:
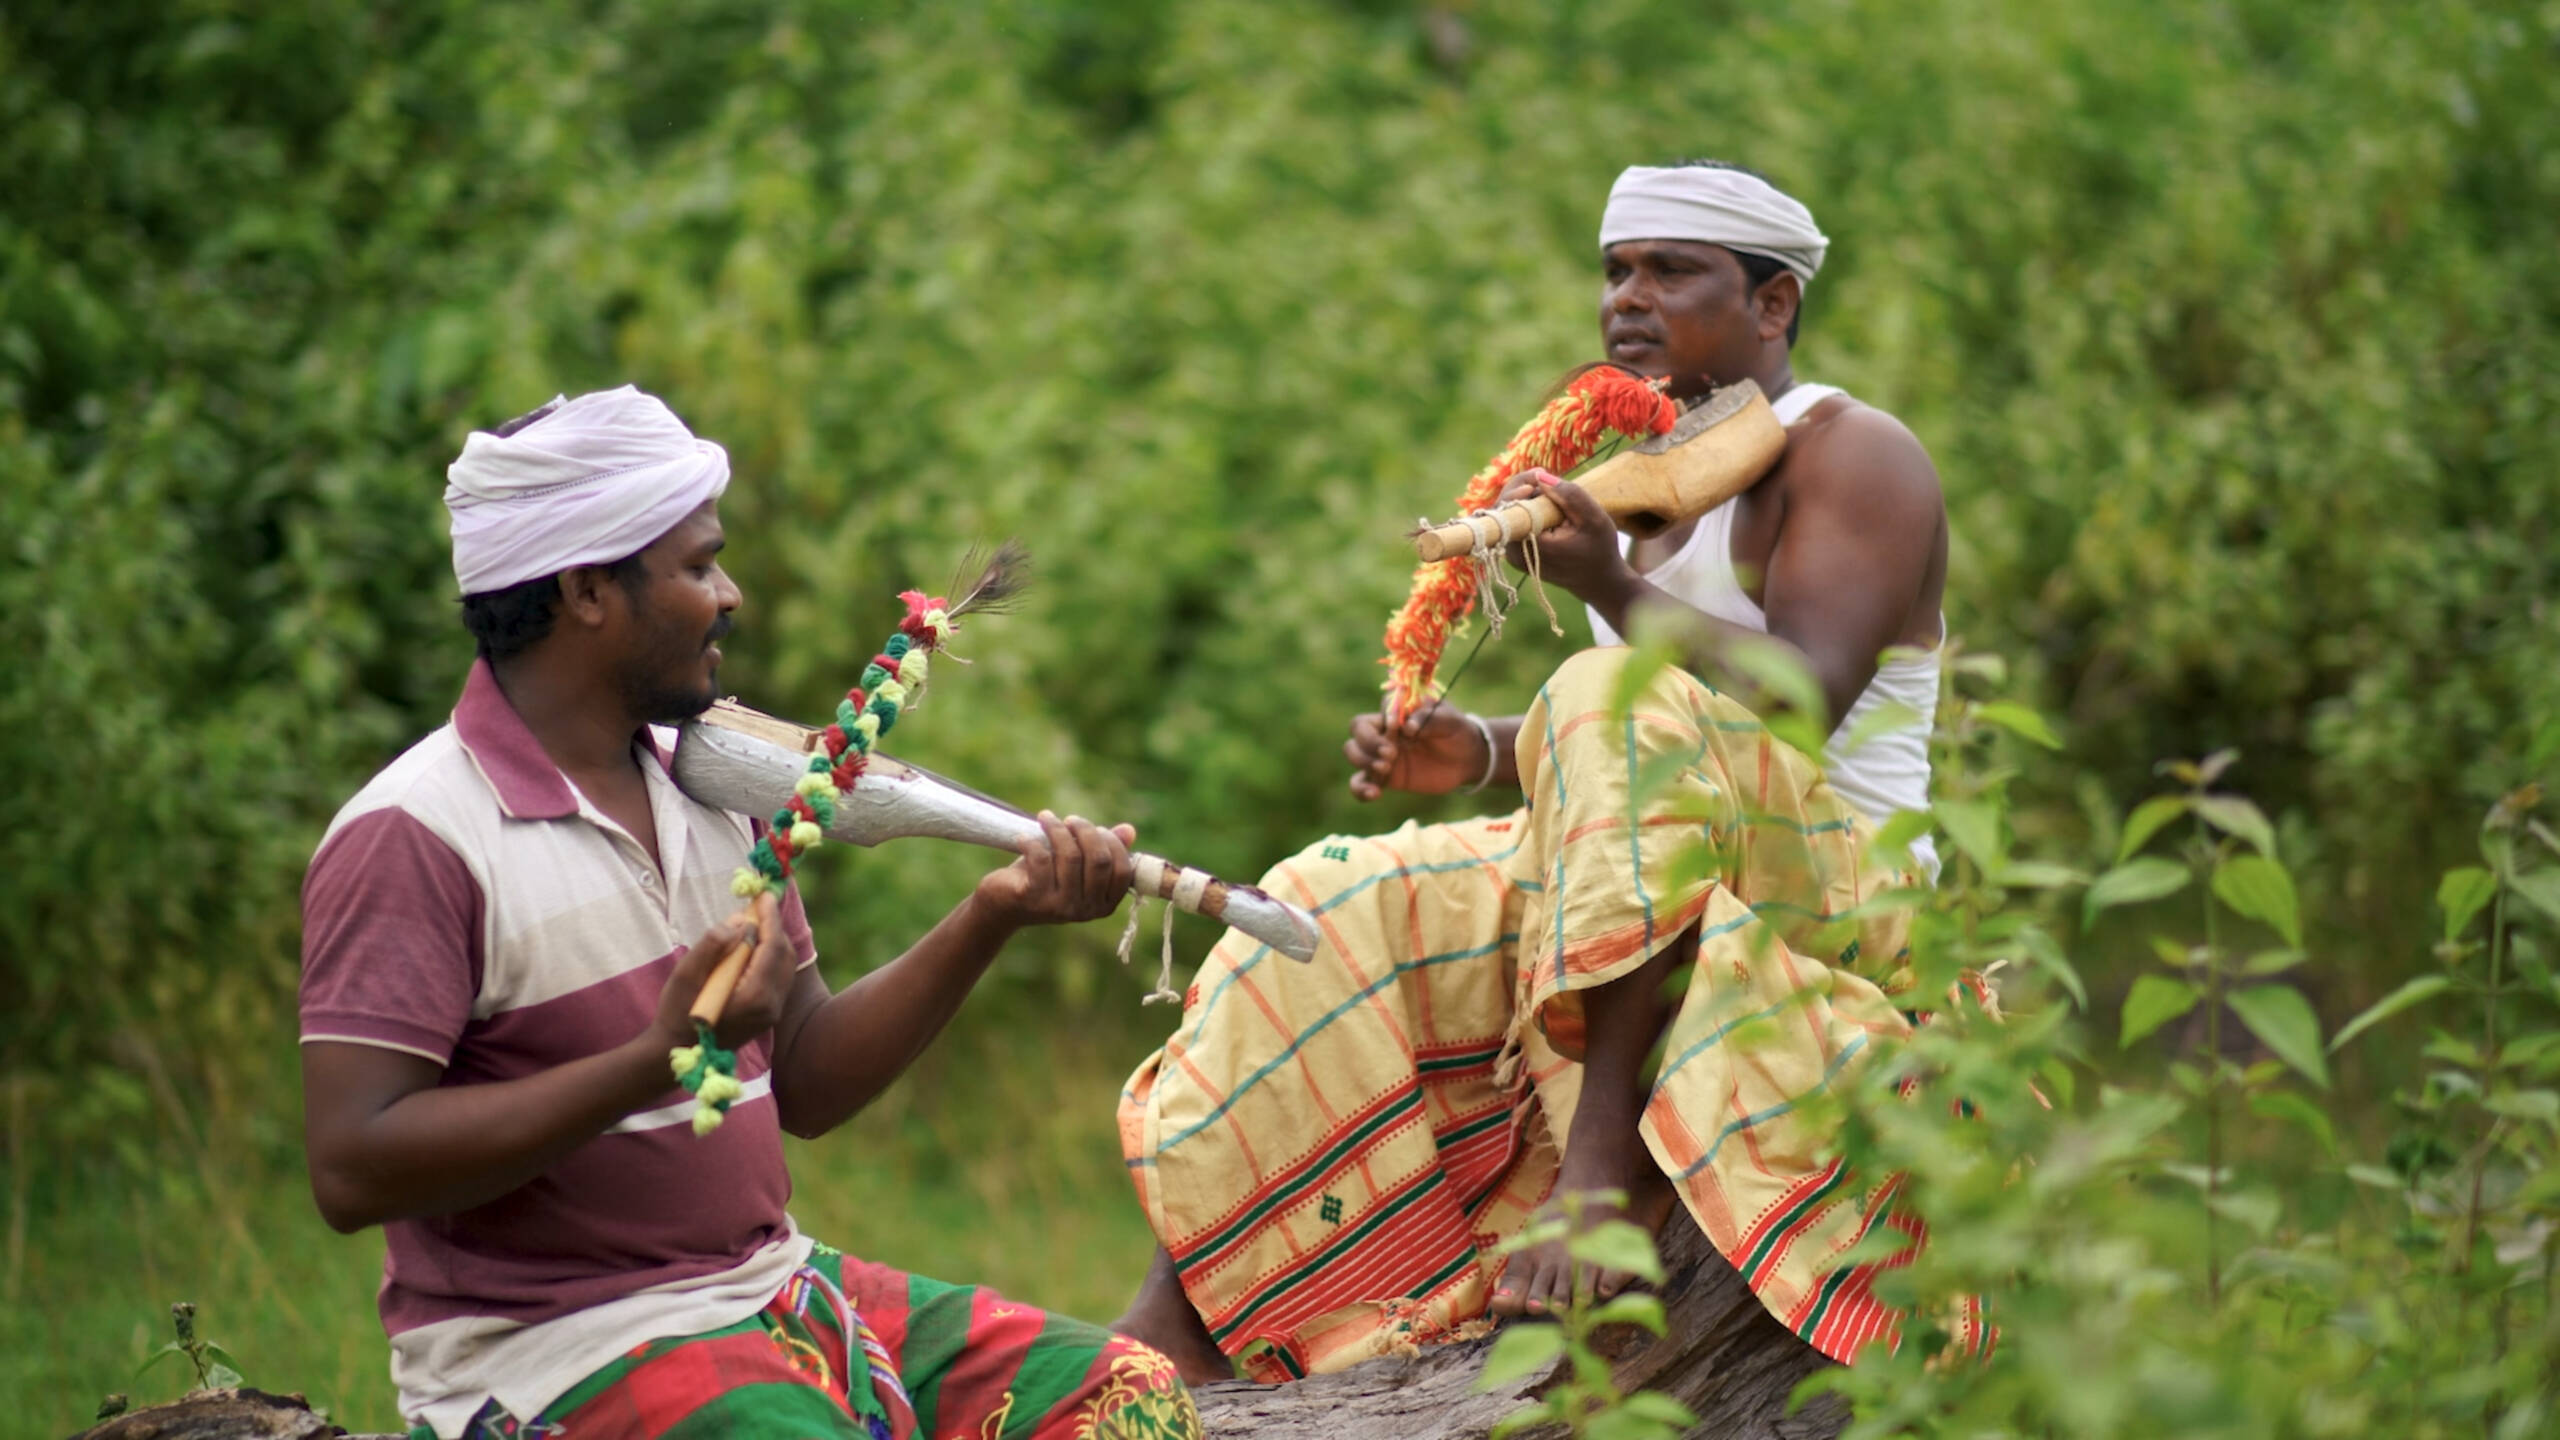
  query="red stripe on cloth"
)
[
  {"x": 1401, "y": 1245},
  {"x": 1291, "y": 1177},
  {"x": 879, "y": 1294},
  {"x": 1790, "y": 1211},
  {"x": 1406, "y": 1251},
  {"x": 980, "y": 1379},
  {"x": 664, "y": 1390},
  {"x": 1854, "y": 1316},
  {"x": 1475, "y": 1162}
]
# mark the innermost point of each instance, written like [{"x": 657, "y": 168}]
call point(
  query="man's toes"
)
[
  {"x": 1550, "y": 1292},
  {"x": 1610, "y": 1282},
  {"x": 1511, "y": 1292}
]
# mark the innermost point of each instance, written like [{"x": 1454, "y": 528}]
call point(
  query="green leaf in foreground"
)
[
  {"x": 1894, "y": 837},
  {"x": 1534, "y": 1413},
  {"x": 2259, "y": 888},
  {"x": 2542, "y": 1105},
  {"x": 2278, "y": 1015},
  {"x": 2154, "y": 1001},
  {"x": 2461, "y": 894},
  {"x": 1975, "y": 829},
  {"x": 2235, "y": 815},
  {"x": 1521, "y": 1351},
  {"x": 2131, "y": 883},
  {"x": 2540, "y": 889},
  {"x": 1889, "y": 718},
  {"x": 2294, "y": 1110},
  {"x": 2037, "y": 875},
  {"x": 1617, "y": 1245},
  {"x": 2145, "y": 822},
  {"x": 2425, "y": 987},
  {"x": 2020, "y": 721},
  {"x": 1654, "y": 1405},
  {"x": 1634, "y": 1307}
]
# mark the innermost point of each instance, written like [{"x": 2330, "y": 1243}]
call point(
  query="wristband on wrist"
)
[{"x": 1492, "y": 753}]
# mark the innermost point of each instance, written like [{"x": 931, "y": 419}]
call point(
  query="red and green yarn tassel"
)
[{"x": 867, "y": 712}]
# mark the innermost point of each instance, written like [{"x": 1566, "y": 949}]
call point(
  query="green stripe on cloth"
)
[
  {"x": 1472, "y": 1129},
  {"x": 767, "y": 1412},
  {"x": 1822, "y": 1305},
  {"x": 1054, "y": 1369},
  {"x": 1299, "y": 1274},
  {"x": 1403, "y": 1108},
  {"x": 1461, "y": 1060},
  {"x": 1778, "y": 1230},
  {"x": 938, "y": 1321}
]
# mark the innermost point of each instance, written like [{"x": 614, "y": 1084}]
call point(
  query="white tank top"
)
[{"x": 1889, "y": 771}]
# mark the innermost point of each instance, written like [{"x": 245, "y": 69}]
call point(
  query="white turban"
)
[
  {"x": 597, "y": 479},
  {"x": 1732, "y": 208}
]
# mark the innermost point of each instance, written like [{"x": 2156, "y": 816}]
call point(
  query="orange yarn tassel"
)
[{"x": 1602, "y": 403}]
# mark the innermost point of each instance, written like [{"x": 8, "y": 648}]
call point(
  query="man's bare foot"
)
[
  {"x": 1161, "y": 1316},
  {"x": 1541, "y": 1279}
]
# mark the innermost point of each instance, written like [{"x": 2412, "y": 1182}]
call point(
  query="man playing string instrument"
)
[
  {"x": 503, "y": 935},
  {"x": 1330, "y": 1155}
]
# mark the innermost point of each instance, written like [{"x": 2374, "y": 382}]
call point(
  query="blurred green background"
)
[{"x": 2231, "y": 326}]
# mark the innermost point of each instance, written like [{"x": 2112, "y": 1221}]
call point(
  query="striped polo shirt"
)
[{"x": 471, "y": 907}]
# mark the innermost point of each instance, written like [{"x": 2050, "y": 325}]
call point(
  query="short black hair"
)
[
  {"x": 1758, "y": 268},
  {"x": 506, "y": 623}
]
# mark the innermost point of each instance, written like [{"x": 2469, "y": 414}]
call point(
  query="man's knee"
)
[
  {"x": 1597, "y": 679},
  {"x": 1586, "y": 675}
]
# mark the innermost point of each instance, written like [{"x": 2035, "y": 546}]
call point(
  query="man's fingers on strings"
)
[
  {"x": 1368, "y": 733},
  {"x": 1062, "y": 856},
  {"x": 1124, "y": 868},
  {"x": 1034, "y": 849},
  {"x": 1099, "y": 867}
]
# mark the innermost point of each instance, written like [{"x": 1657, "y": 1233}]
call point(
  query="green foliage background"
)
[{"x": 2230, "y": 326}]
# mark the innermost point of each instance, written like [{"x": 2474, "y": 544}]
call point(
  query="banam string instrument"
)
[
  {"x": 1665, "y": 464},
  {"x": 829, "y": 782},
  {"x": 745, "y": 760}
]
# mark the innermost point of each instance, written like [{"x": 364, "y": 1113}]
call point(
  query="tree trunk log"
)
[
  {"x": 1723, "y": 1356},
  {"x": 234, "y": 1414}
]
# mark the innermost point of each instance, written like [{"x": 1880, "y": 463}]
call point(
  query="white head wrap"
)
[
  {"x": 1732, "y": 208},
  {"x": 597, "y": 479}
]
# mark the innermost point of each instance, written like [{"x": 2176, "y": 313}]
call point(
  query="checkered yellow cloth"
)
[{"x": 1330, "y": 1152}]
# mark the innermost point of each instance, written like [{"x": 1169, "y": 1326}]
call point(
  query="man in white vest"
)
[{"x": 1333, "y": 1155}]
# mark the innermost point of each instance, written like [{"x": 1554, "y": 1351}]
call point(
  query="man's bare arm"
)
[
  {"x": 1864, "y": 519},
  {"x": 1841, "y": 580},
  {"x": 386, "y": 1141},
  {"x": 834, "y": 1054}
]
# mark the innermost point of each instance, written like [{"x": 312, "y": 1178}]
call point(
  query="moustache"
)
[{"x": 719, "y": 631}]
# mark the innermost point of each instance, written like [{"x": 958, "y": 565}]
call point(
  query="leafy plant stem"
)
[
  {"x": 2488, "y": 1073},
  {"x": 2212, "y": 1090}
]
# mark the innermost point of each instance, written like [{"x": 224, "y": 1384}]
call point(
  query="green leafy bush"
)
[
  {"x": 2230, "y": 327},
  {"x": 2207, "y": 1251}
]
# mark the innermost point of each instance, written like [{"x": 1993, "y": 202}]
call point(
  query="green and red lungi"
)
[{"x": 856, "y": 1350}]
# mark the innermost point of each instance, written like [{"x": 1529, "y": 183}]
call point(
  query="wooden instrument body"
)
[
  {"x": 744, "y": 760},
  {"x": 1720, "y": 448}
]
